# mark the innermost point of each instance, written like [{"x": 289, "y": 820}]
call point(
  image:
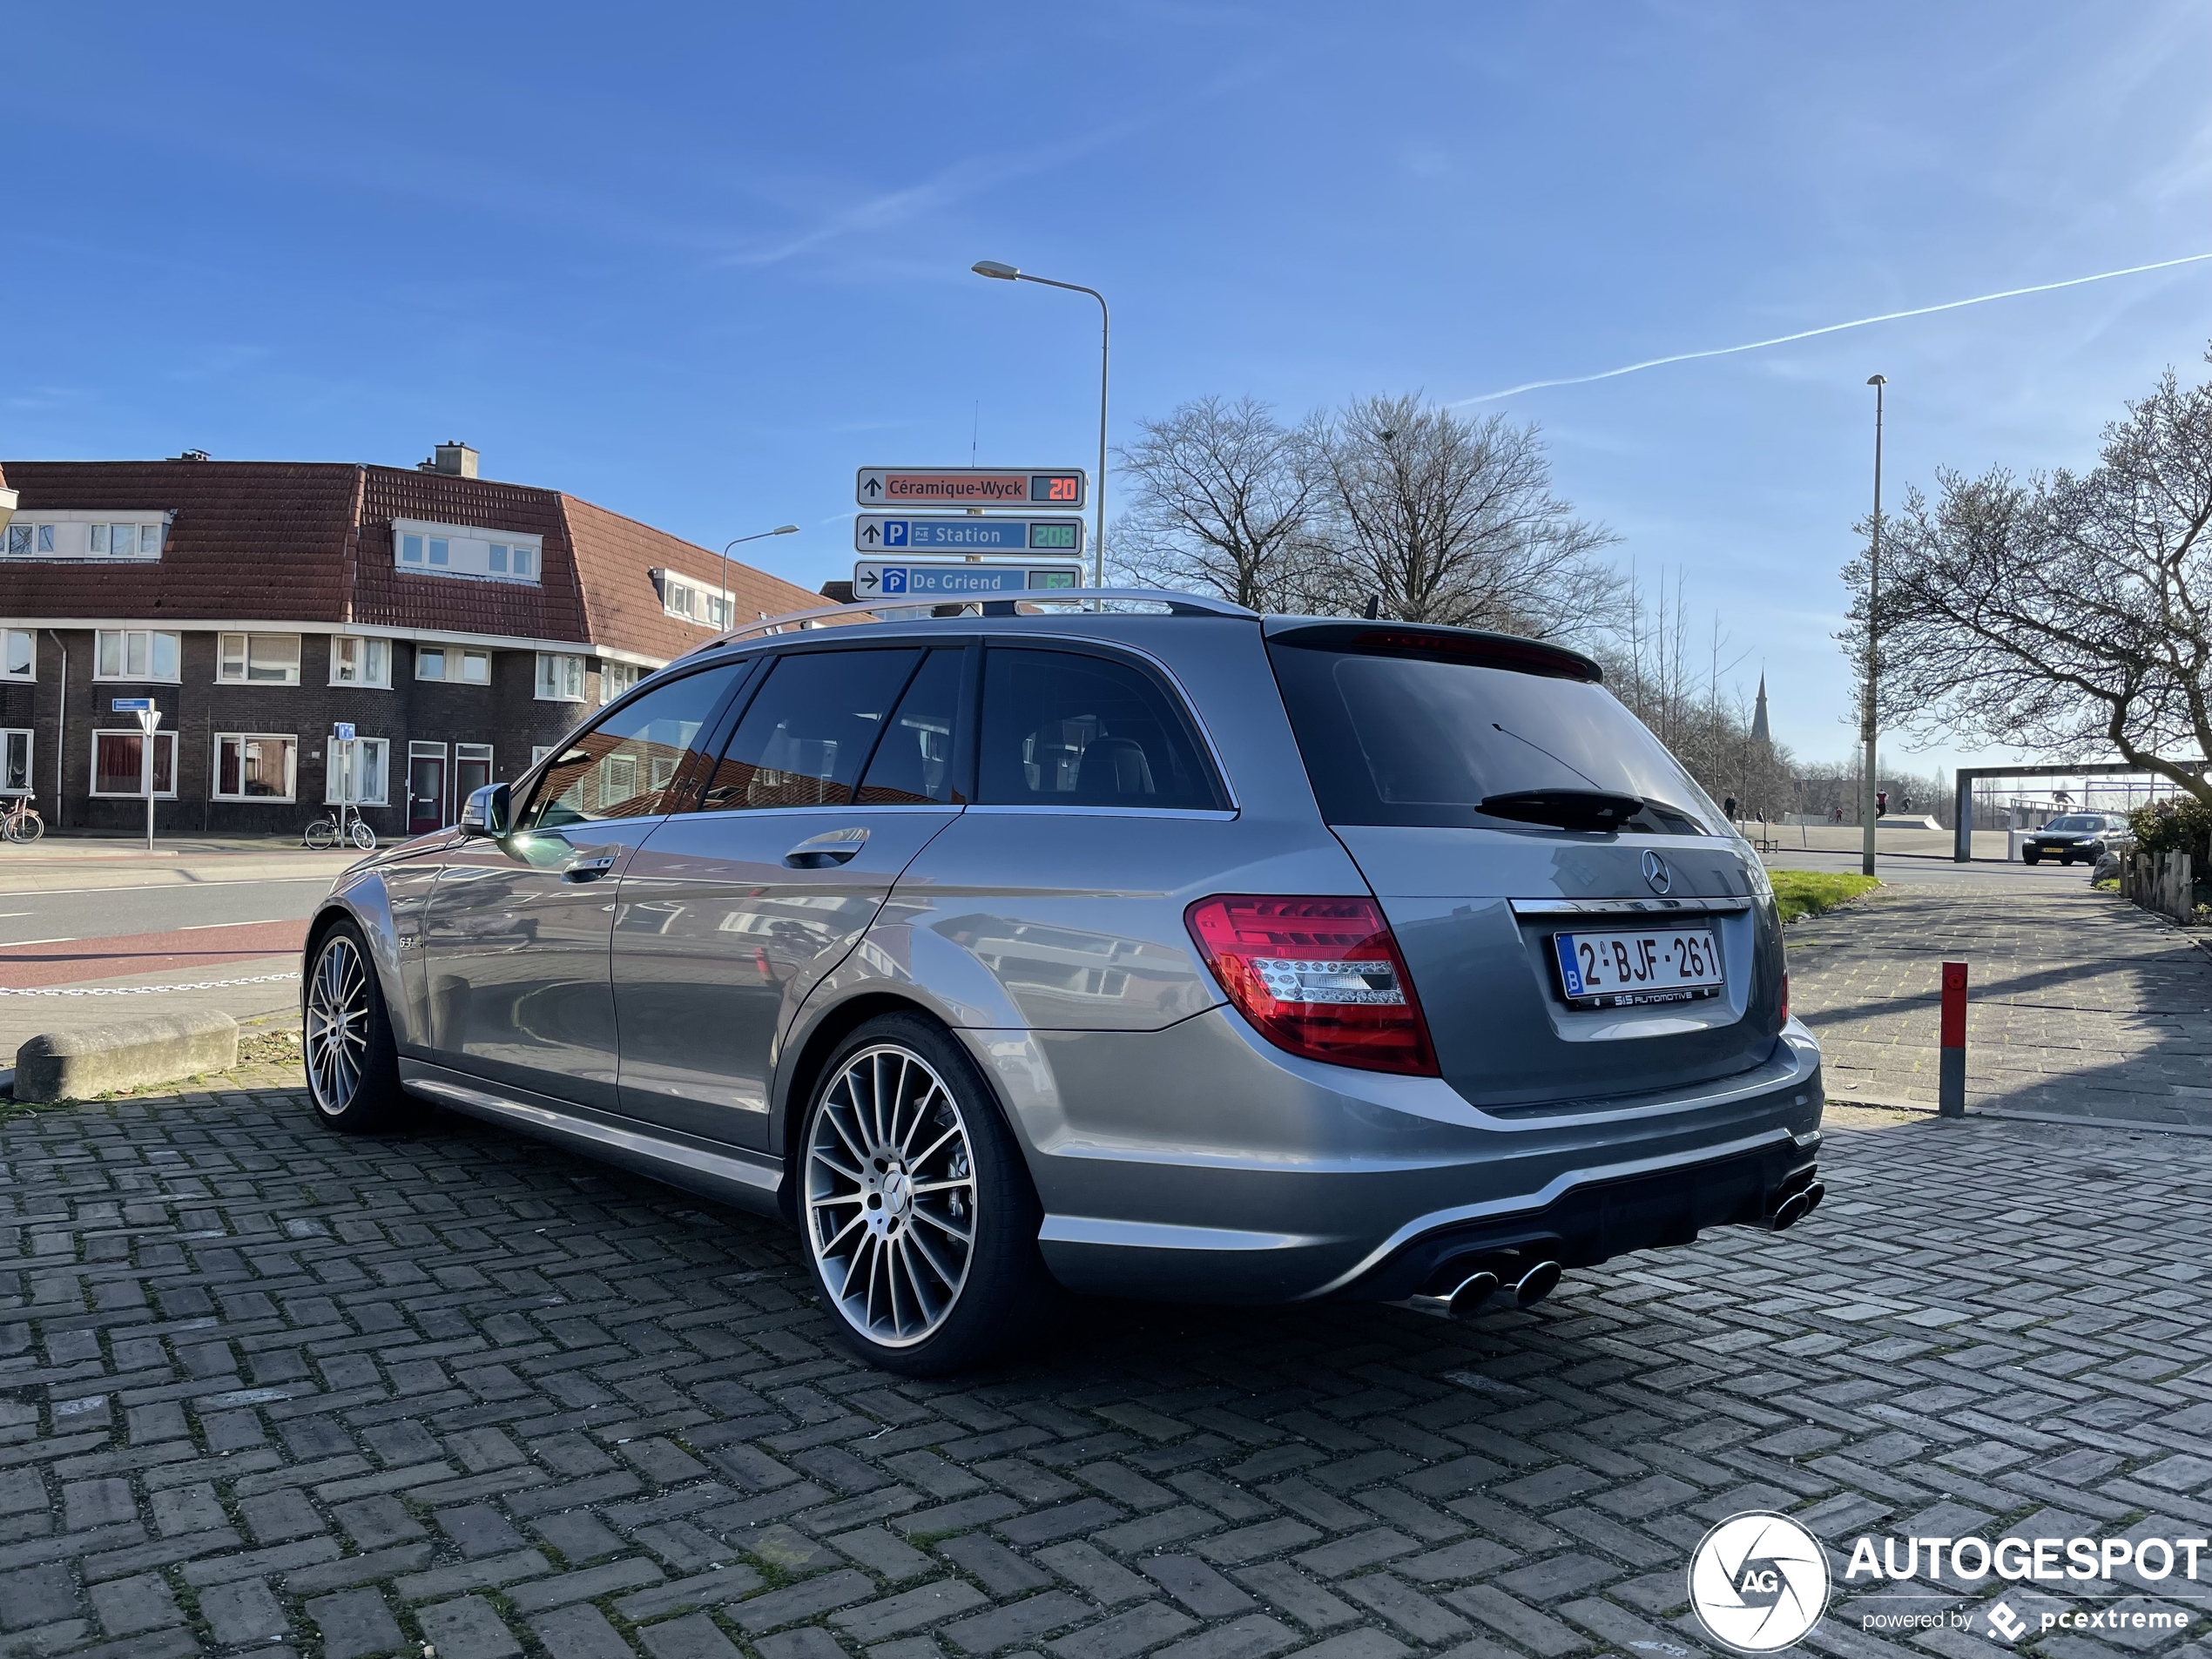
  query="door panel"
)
[
  {"x": 426, "y": 794},
  {"x": 730, "y": 918},
  {"x": 519, "y": 928}
]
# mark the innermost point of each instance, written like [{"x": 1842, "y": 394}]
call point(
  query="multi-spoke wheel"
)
[
  {"x": 921, "y": 1223},
  {"x": 353, "y": 1069}
]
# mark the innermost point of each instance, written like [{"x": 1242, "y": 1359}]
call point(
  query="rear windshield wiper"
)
[{"x": 1571, "y": 809}]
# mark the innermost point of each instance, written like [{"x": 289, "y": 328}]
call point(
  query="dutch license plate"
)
[{"x": 1622, "y": 970}]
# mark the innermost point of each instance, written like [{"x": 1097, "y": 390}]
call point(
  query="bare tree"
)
[
  {"x": 1453, "y": 520},
  {"x": 1224, "y": 499},
  {"x": 2065, "y": 614}
]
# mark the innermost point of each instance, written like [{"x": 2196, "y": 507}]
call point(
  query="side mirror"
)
[{"x": 487, "y": 812}]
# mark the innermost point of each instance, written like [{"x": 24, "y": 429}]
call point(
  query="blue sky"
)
[{"x": 698, "y": 264}]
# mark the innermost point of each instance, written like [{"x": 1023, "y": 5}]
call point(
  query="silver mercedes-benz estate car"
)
[{"x": 1168, "y": 952}]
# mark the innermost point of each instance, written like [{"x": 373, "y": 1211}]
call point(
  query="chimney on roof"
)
[{"x": 455, "y": 460}]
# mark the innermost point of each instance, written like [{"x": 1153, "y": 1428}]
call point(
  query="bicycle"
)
[
  {"x": 20, "y": 824},
  {"x": 328, "y": 833}
]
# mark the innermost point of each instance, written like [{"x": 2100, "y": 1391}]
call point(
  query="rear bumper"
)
[{"x": 1200, "y": 1163}]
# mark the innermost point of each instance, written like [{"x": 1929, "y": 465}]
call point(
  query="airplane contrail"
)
[{"x": 1833, "y": 328}]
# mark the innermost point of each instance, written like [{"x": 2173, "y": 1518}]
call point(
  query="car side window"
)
[
  {"x": 810, "y": 730},
  {"x": 1068, "y": 729},
  {"x": 622, "y": 767},
  {"x": 913, "y": 765}
]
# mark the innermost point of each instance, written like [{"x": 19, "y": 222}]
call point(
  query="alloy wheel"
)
[
  {"x": 337, "y": 1034},
  {"x": 891, "y": 1195}
]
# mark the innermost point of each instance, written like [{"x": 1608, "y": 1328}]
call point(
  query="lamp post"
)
[
  {"x": 1010, "y": 274},
  {"x": 758, "y": 535},
  {"x": 1867, "y": 712}
]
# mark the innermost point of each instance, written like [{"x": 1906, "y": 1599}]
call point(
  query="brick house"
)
[{"x": 460, "y": 625}]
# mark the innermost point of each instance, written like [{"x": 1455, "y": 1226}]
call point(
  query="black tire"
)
[
  {"x": 351, "y": 1064},
  {"x": 889, "y": 1214},
  {"x": 2029, "y": 855}
]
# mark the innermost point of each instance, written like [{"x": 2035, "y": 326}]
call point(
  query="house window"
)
[
  {"x": 75, "y": 536},
  {"x": 118, "y": 764},
  {"x": 693, "y": 602},
  {"x": 15, "y": 762},
  {"x": 355, "y": 661},
  {"x": 462, "y": 551},
  {"x": 255, "y": 766},
  {"x": 560, "y": 678},
  {"x": 475, "y": 668},
  {"x": 446, "y": 663},
  {"x": 358, "y": 772},
  {"x": 614, "y": 679},
  {"x": 260, "y": 659},
  {"x": 134, "y": 654},
  {"x": 539, "y": 751},
  {"x": 18, "y": 654}
]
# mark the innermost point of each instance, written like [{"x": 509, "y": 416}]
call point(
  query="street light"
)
[
  {"x": 1866, "y": 724},
  {"x": 994, "y": 269},
  {"x": 781, "y": 529}
]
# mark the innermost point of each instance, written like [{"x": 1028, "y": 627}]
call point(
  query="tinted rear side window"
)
[
  {"x": 1405, "y": 739},
  {"x": 913, "y": 765},
  {"x": 809, "y": 730},
  {"x": 1068, "y": 729}
]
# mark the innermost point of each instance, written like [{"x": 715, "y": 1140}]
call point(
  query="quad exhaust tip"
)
[
  {"x": 1536, "y": 1284},
  {"x": 1461, "y": 1300},
  {"x": 1791, "y": 1211}
]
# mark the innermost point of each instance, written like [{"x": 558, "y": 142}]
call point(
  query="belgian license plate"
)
[{"x": 1626, "y": 969}]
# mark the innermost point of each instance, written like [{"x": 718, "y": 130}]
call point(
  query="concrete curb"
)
[{"x": 126, "y": 1053}]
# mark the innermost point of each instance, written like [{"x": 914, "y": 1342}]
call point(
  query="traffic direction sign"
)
[
  {"x": 943, "y": 579},
  {"x": 1065, "y": 488},
  {"x": 951, "y": 533}
]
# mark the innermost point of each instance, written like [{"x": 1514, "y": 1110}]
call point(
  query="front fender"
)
[{"x": 388, "y": 913}]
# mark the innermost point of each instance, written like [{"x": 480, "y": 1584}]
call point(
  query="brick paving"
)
[
  {"x": 2081, "y": 1005},
  {"x": 265, "y": 1390}
]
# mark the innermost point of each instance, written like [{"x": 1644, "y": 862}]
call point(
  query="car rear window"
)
[
  {"x": 1069, "y": 729},
  {"x": 1409, "y": 738}
]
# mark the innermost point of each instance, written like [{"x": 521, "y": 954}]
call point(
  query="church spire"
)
[{"x": 1759, "y": 733}]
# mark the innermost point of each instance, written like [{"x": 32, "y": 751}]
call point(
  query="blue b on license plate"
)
[{"x": 1621, "y": 970}]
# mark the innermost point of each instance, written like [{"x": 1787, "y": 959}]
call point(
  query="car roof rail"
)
[{"x": 1178, "y": 604}]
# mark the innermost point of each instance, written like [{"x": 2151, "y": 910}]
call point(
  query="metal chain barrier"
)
[{"x": 142, "y": 991}]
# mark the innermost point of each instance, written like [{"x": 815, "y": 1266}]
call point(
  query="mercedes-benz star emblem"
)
[{"x": 1656, "y": 873}]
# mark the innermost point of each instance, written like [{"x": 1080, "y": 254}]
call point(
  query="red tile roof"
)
[{"x": 312, "y": 542}]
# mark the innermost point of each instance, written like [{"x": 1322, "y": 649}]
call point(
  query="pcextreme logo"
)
[{"x": 1758, "y": 1582}]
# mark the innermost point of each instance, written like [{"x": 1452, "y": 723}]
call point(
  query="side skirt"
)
[{"x": 746, "y": 1180}]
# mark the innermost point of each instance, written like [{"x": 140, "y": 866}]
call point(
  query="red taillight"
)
[
  {"x": 1785, "y": 998},
  {"x": 1320, "y": 977}
]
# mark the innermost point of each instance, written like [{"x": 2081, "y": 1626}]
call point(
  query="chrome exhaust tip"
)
[
  {"x": 1789, "y": 1212},
  {"x": 1461, "y": 1300},
  {"x": 1536, "y": 1284},
  {"x": 1814, "y": 1194}
]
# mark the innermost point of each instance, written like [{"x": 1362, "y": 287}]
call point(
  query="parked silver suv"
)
[{"x": 1193, "y": 955}]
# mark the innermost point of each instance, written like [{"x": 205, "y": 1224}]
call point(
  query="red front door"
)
[{"x": 426, "y": 794}]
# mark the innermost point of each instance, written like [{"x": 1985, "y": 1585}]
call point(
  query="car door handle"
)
[
  {"x": 588, "y": 869},
  {"x": 832, "y": 847}
]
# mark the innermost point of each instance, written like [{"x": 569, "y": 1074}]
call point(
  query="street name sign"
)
[
  {"x": 129, "y": 704},
  {"x": 943, "y": 579},
  {"x": 1066, "y": 487},
  {"x": 959, "y": 533}
]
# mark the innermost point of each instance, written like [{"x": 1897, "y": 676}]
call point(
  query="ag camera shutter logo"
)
[{"x": 1758, "y": 1582}]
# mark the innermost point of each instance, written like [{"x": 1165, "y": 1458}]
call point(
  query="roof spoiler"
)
[{"x": 1437, "y": 642}]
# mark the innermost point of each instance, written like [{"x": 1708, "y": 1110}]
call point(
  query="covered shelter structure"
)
[{"x": 1962, "y": 831}]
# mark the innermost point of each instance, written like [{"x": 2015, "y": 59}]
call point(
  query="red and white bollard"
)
[{"x": 1951, "y": 1093}]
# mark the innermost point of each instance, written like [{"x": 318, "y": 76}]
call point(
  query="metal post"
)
[
  {"x": 149, "y": 723},
  {"x": 998, "y": 272},
  {"x": 1962, "y": 818},
  {"x": 1867, "y": 731},
  {"x": 1950, "y": 1089}
]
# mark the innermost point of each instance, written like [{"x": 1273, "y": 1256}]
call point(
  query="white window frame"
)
[
  {"x": 469, "y": 656},
  {"x": 376, "y": 676},
  {"x": 695, "y": 602},
  {"x": 30, "y": 784},
  {"x": 291, "y": 771},
  {"x": 248, "y": 648},
  {"x": 84, "y": 535},
  {"x": 381, "y": 774},
  {"x": 616, "y": 679},
  {"x": 560, "y": 677},
  {"x": 468, "y": 552},
  {"x": 30, "y": 673},
  {"x": 149, "y": 635},
  {"x": 93, "y": 777},
  {"x": 449, "y": 658},
  {"x": 539, "y": 751}
]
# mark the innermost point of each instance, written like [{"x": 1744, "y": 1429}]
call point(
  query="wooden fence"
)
[{"x": 2159, "y": 881}]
